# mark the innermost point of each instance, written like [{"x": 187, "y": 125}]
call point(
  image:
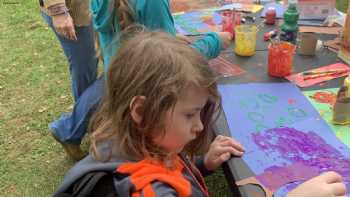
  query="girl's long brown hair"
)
[{"x": 159, "y": 67}]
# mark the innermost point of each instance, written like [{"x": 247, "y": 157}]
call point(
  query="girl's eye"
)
[{"x": 189, "y": 116}]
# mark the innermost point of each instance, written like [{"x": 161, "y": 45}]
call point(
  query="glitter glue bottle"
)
[{"x": 270, "y": 16}]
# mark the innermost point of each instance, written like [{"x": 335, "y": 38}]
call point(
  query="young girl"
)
[
  {"x": 109, "y": 19},
  {"x": 156, "y": 117}
]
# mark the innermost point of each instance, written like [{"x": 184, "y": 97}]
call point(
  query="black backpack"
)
[{"x": 93, "y": 184}]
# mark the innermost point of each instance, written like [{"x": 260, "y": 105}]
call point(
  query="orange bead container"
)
[{"x": 280, "y": 59}]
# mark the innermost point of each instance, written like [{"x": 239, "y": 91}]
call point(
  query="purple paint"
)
[
  {"x": 309, "y": 154},
  {"x": 276, "y": 176}
]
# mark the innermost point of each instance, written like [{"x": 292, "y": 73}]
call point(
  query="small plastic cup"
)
[
  {"x": 227, "y": 21},
  {"x": 230, "y": 19},
  {"x": 245, "y": 40},
  {"x": 280, "y": 59}
]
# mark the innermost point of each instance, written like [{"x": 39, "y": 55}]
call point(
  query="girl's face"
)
[{"x": 183, "y": 123}]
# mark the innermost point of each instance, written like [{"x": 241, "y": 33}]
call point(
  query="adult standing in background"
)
[{"x": 70, "y": 21}]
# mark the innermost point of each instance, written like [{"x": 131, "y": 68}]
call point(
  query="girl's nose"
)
[{"x": 198, "y": 127}]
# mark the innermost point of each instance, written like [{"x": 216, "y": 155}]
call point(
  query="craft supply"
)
[
  {"x": 269, "y": 35},
  {"x": 245, "y": 40},
  {"x": 307, "y": 44},
  {"x": 289, "y": 28},
  {"x": 341, "y": 109},
  {"x": 329, "y": 74},
  {"x": 270, "y": 16},
  {"x": 279, "y": 8},
  {"x": 298, "y": 78},
  {"x": 227, "y": 21},
  {"x": 280, "y": 59},
  {"x": 325, "y": 71},
  {"x": 230, "y": 19}
]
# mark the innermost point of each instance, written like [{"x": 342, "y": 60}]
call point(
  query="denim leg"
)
[
  {"x": 81, "y": 57},
  {"x": 70, "y": 128}
]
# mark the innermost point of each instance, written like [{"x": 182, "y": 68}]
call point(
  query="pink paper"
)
[{"x": 298, "y": 79}]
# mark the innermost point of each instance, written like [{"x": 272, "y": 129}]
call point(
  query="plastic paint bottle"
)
[
  {"x": 270, "y": 16},
  {"x": 289, "y": 29}
]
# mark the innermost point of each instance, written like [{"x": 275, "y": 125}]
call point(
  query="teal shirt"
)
[{"x": 153, "y": 14}]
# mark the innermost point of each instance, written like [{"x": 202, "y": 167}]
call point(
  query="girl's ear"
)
[{"x": 136, "y": 108}]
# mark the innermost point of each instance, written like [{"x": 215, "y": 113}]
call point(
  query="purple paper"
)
[{"x": 285, "y": 138}]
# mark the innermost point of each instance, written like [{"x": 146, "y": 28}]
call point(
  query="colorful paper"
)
[
  {"x": 190, "y": 5},
  {"x": 285, "y": 139},
  {"x": 253, "y": 8},
  {"x": 197, "y": 22},
  {"x": 298, "y": 79},
  {"x": 323, "y": 101},
  {"x": 224, "y": 67}
]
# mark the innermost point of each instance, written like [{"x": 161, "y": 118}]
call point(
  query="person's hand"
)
[
  {"x": 221, "y": 150},
  {"x": 226, "y": 39},
  {"x": 328, "y": 184},
  {"x": 64, "y": 26}
]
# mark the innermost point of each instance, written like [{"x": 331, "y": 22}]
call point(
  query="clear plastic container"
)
[
  {"x": 245, "y": 40},
  {"x": 280, "y": 59}
]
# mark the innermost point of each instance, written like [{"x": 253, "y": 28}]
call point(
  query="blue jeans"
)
[{"x": 86, "y": 90}]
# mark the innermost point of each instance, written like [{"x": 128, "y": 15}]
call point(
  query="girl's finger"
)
[
  {"x": 227, "y": 149},
  {"x": 233, "y": 143},
  {"x": 224, "y": 157},
  {"x": 331, "y": 177},
  {"x": 339, "y": 189}
]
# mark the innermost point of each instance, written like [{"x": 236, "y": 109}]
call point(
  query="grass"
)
[{"x": 35, "y": 89}]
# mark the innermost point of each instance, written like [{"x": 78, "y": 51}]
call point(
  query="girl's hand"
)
[
  {"x": 221, "y": 150},
  {"x": 328, "y": 184},
  {"x": 64, "y": 26},
  {"x": 226, "y": 39}
]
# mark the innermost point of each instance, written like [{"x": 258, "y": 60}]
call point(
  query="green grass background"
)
[{"x": 35, "y": 89}]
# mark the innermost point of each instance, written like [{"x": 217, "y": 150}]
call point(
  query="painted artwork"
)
[
  {"x": 197, "y": 22},
  {"x": 190, "y": 5},
  {"x": 323, "y": 101},
  {"x": 286, "y": 140}
]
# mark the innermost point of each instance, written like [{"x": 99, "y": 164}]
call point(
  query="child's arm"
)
[
  {"x": 212, "y": 43},
  {"x": 156, "y": 15},
  {"x": 326, "y": 185},
  {"x": 221, "y": 150}
]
